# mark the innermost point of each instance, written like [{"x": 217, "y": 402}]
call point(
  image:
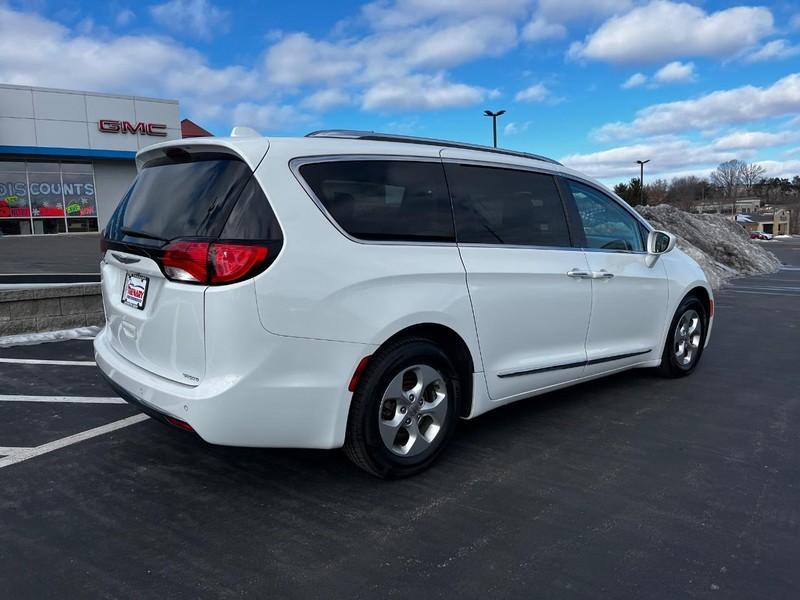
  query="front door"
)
[{"x": 629, "y": 297}]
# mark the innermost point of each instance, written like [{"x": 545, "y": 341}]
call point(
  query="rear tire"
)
[
  {"x": 404, "y": 409},
  {"x": 686, "y": 338}
]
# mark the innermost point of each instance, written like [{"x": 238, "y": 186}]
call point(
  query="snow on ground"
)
[
  {"x": 721, "y": 247},
  {"x": 28, "y": 339}
]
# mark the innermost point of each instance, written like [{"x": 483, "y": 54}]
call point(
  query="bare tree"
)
[
  {"x": 656, "y": 191},
  {"x": 751, "y": 175},
  {"x": 728, "y": 177}
]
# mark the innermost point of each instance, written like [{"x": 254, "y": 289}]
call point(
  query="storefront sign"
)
[{"x": 112, "y": 126}]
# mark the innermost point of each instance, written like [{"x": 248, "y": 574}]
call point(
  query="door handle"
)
[
  {"x": 602, "y": 274},
  {"x": 578, "y": 274}
]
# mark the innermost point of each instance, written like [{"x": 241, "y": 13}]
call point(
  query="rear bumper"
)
[{"x": 292, "y": 394}]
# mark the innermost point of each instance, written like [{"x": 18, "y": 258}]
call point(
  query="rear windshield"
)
[{"x": 181, "y": 195}]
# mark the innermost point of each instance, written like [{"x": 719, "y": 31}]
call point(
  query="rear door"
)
[
  {"x": 179, "y": 194},
  {"x": 531, "y": 314},
  {"x": 629, "y": 297}
]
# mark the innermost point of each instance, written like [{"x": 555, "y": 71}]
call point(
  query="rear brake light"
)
[
  {"x": 210, "y": 263},
  {"x": 186, "y": 261},
  {"x": 234, "y": 261}
]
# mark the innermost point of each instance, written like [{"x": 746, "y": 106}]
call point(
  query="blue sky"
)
[{"x": 595, "y": 84}]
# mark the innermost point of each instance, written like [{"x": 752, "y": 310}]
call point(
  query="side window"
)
[
  {"x": 506, "y": 206},
  {"x": 384, "y": 199},
  {"x": 606, "y": 224}
]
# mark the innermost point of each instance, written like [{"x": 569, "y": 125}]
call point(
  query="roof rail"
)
[{"x": 353, "y": 134}]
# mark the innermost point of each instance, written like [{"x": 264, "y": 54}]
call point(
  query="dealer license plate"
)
[{"x": 135, "y": 291}]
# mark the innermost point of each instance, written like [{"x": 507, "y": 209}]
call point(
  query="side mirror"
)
[{"x": 658, "y": 243}]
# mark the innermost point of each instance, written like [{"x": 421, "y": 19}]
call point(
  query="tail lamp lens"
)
[
  {"x": 186, "y": 261},
  {"x": 234, "y": 261},
  {"x": 211, "y": 263}
]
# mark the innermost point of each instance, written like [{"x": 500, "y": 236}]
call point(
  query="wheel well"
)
[
  {"x": 455, "y": 347},
  {"x": 702, "y": 294}
]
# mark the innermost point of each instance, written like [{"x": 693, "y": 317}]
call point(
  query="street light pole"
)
[
  {"x": 494, "y": 116},
  {"x": 642, "y": 163}
]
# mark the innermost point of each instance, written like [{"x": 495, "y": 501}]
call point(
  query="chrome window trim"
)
[
  {"x": 474, "y": 162},
  {"x": 297, "y": 162}
]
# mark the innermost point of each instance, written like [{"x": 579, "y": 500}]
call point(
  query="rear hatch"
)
[{"x": 195, "y": 216}]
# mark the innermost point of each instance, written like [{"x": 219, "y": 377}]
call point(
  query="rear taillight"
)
[
  {"x": 186, "y": 261},
  {"x": 212, "y": 263},
  {"x": 231, "y": 262}
]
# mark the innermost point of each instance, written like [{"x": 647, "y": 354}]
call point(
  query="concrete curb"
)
[{"x": 46, "y": 309}]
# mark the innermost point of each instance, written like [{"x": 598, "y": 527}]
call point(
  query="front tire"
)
[
  {"x": 404, "y": 409},
  {"x": 686, "y": 338}
]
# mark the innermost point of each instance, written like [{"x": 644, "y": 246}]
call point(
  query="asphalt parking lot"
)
[{"x": 633, "y": 487}]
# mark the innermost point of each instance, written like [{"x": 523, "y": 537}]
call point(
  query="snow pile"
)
[{"x": 721, "y": 247}]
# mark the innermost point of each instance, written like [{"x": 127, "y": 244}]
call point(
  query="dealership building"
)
[{"x": 67, "y": 157}]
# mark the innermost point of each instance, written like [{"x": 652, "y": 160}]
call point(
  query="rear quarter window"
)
[{"x": 384, "y": 200}]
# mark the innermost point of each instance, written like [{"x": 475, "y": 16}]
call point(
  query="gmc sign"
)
[{"x": 111, "y": 126}]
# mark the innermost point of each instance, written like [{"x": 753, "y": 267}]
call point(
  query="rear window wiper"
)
[{"x": 141, "y": 234}]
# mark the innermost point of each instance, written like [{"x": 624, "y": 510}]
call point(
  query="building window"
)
[{"x": 47, "y": 197}]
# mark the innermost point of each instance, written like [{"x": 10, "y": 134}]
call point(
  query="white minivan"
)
[{"x": 366, "y": 291}]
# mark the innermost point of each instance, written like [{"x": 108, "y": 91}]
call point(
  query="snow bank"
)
[{"x": 721, "y": 247}]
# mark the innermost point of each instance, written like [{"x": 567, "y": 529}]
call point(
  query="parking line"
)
[
  {"x": 67, "y": 399},
  {"x": 22, "y": 454},
  {"x": 37, "y": 361}
]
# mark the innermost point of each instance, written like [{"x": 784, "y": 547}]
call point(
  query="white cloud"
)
[
  {"x": 675, "y": 72},
  {"x": 298, "y": 58},
  {"x": 325, "y": 99},
  {"x": 634, "y": 80},
  {"x": 124, "y": 17},
  {"x": 404, "y": 13},
  {"x": 668, "y": 154},
  {"x": 423, "y": 92},
  {"x": 462, "y": 42},
  {"x": 268, "y": 117},
  {"x": 562, "y": 11},
  {"x": 513, "y": 128},
  {"x": 774, "y": 50},
  {"x": 541, "y": 29},
  {"x": 751, "y": 140},
  {"x": 739, "y": 105},
  {"x": 794, "y": 22},
  {"x": 781, "y": 168},
  {"x": 198, "y": 18},
  {"x": 663, "y": 29},
  {"x": 144, "y": 65},
  {"x": 537, "y": 92}
]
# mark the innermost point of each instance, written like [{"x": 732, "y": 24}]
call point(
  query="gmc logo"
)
[{"x": 111, "y": 126}]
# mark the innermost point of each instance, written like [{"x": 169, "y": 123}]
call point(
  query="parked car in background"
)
[
  {"x": 367, "y": 291},
  {"x": 760, "y": 235}
]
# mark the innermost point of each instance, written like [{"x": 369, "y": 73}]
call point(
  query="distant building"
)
[
  {"x": 775, "y": 222},
  {"x": 67, "y": 157}
]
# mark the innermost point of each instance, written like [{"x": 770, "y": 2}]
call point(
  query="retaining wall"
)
[{"x": 33, "y": 310}]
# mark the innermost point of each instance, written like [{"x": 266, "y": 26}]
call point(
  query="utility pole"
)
[
  {"x": 494, "y": 116},
  {"x": 642, "y": 163}
]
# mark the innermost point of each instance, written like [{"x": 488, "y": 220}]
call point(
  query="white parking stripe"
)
[
  {"x": 37, "y": 361},
  {"x": 68, "y": 399},
  {"x": 5, "y": 451},
  {"x": 761, "y": 293},
  {"x": 28, "y": 453}
]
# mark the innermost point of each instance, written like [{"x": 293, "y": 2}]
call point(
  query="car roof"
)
[{"x": 253, "y": 147}]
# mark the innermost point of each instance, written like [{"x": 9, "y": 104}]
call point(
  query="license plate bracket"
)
[{"x": 134, "y": 292}]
